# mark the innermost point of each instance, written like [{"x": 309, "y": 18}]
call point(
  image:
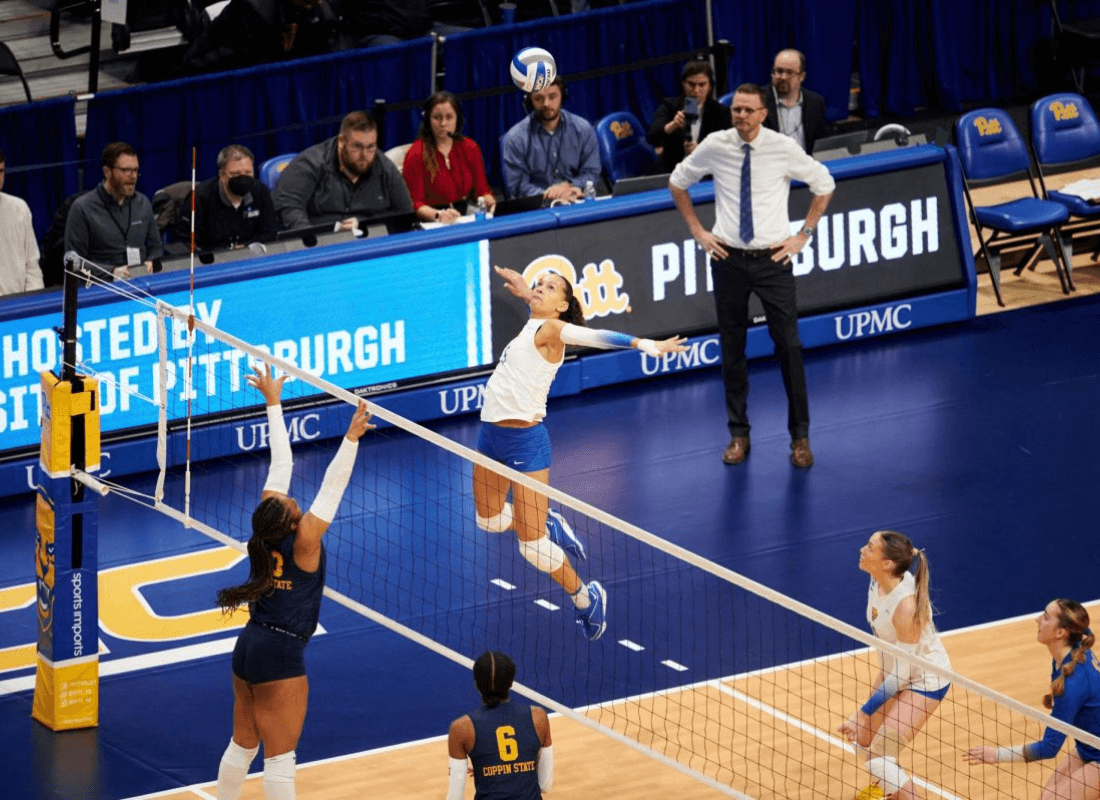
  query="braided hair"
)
[
  {"x": 493, "y": 675},
  {"x": 900, "y": 550},
  {"x": 272, "y": 521},
  {"x": 1074, "y": 619}
]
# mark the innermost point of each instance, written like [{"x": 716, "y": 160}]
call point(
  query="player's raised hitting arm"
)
[{"x": 581, "y": 336}]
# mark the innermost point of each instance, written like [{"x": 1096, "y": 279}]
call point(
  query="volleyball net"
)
[{"x": 713, "y": 674}]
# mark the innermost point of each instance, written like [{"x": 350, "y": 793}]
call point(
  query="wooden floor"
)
[{"x": 814, "y": 762}]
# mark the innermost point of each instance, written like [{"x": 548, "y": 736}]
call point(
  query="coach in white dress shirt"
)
[
  {"x": 19, "y": 270},
  {"x": 751, "y": 248}
]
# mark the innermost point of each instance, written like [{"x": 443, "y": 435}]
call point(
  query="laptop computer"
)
[
  {"x": 385, "y": 224},
  {"x": 852, "y": 139},
  {"x": 516, "y": 205},
  {"x": 639, "y": 183}
]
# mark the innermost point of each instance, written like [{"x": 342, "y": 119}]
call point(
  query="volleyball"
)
[{"x": 533, "y": 69}]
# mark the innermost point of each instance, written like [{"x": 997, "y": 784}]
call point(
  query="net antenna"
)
[{"x": 703, "y": 669}]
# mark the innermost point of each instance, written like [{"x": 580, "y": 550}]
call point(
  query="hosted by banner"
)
[{"x": 886, "y": 257}]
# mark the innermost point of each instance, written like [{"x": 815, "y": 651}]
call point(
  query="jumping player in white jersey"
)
[
  {"x": 512, "y": 433},
  {"x": 905, "y": 695}
]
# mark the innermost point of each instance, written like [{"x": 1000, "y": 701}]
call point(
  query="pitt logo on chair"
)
[
  {"x": 622, "y": 129},
  {"x": 988, "y": 127},
  {"x": 1063, "y": 111}
]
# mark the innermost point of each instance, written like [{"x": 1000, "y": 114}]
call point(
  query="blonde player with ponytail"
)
[
  {"x": 899, "y": 611},
  {"x": 1074, "y": 698}
]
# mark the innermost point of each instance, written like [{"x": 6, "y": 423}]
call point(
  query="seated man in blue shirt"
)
[{"x": 550, "y": 151}]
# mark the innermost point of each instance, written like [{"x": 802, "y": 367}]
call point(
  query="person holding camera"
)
[{"x": 683, "y": 121}]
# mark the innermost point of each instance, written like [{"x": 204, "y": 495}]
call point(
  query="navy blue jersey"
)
[
  {"x": 505, "y": 753},
  {"x": 294, "y": 604}
]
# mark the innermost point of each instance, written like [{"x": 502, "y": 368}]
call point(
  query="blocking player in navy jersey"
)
[
  {"x": 513, "y": 434},
  {"x": 283, "y": 593},
  {"x": 508, "y": 743},
  {"x": 1074, "y": 698}
]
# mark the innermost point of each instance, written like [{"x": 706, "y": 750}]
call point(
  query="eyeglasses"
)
[
  {"x": 127, "y": 170},
  {"x": 745, "y": 110},
  {"x": 783, "y": 73}
]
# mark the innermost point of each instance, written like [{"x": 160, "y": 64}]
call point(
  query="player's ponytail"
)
[
  {"x": 899, "y": 549},
  {"x": 493, "y": 674},
  {"x": 1074, "y": 619},
  {"x": 271, "y": 521}
]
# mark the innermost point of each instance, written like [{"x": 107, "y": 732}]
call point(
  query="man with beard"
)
[
  {"x": 793, "y": 110},
  {"x": 341, "y": 180},
  {"x": 232, "y": 209},
  {"x": 550, "y": 151},
  {"x": 113, "y": 225}
]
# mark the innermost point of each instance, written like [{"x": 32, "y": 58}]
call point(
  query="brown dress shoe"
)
[
  {"x": 801, "y": 456},
  {"x": 737, "y": 450}
]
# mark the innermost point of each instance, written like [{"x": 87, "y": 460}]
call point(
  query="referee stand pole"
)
[{"x": 66, "y": 687}]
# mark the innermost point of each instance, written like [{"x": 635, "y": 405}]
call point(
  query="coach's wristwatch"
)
[{"x": 807, "y": 232}]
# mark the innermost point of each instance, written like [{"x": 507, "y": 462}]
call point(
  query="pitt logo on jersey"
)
[
  {"x": 988, "y": 127},
  {"x": 1063, "y": 111},
  {"x": 874, "y": 614}
]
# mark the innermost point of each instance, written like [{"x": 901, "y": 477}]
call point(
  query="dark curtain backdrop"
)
[
  {"x": 39, "y": 143},
  {"x": 606, "y": 38},
  {"x": 947, "y": 54},
  {"x": 824, "y": 32},
  {"x": 272, "y": 110}
]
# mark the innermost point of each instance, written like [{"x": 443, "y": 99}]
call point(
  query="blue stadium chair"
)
[
  {"x": 624, "y": 152},
  {"x": 992, "y": 151},
  {"x": 726, "y": 99},
  {"x": 273, "y": 167},
  {"x": 1065, "y": 134}
]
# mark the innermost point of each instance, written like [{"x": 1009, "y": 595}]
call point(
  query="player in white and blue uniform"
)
[
  {"x": 905, "y": 695},
  {"x": 283, "y": 592},
  {"x": 513, "y": 434},
  {"x": 1074, "y": 698}
]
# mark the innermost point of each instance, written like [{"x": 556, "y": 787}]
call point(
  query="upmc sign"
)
[{"x": 885, "y": 236}]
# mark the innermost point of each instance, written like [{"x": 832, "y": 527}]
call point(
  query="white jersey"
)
[
  {"x": 519, "y": 385},
  {"x": 880, "y": 615}
]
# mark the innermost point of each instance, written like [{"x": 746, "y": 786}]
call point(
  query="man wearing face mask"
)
[{"x": 232, "y": 209}]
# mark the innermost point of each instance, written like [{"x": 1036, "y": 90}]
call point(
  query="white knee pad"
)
[
  {"x": 237, "y": 756},
  {"x": 498, "y": 524},
  {"x": 543, "y": 554},
  {"x": 279, "y": 776},
  {"x": 887, "y": 772}
]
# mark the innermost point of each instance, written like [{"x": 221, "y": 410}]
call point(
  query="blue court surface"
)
[{"x": 979, "y": 440}]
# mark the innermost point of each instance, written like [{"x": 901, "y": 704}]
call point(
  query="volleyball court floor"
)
[{"x": 979, "y": 440}]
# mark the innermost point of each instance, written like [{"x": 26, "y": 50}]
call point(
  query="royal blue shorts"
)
[
  {"x": 262, "y": 655},
  {"x": 522, "y": 449}
]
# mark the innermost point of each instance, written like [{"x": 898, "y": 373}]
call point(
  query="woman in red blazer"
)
[{"x": 444, "y": 169}]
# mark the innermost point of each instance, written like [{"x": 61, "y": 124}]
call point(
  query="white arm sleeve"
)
[
  {"x": 592, "y": 337},
  {"x": 546, "y": 768},
  {"x": 282, "y": 461},
  {"x": 336, "y": 480},
  {"x": 1011, "y": 754},
  {"x": 456, "y": 778}
]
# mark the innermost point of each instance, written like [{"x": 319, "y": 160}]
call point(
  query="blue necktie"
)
[{"x": 746, "y": 197}]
